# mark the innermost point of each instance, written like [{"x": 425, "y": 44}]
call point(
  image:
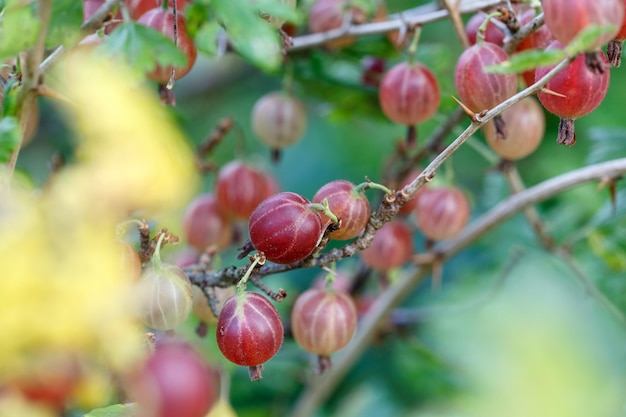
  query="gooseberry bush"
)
[{"x": 214, "y": 208}]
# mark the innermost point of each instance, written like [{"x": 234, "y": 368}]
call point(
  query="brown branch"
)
[
  {"x": 387, "y": 209},
  {"x": 408, "y": 19},
  {"x": 395, "y": 293}
]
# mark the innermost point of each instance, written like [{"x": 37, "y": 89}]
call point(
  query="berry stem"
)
[
  {"x": 156, "y": 256},
  {"x": 413, "y": 46},
  {"x": 324, "y": 209},
  {"x": 373, "y": 185},
  {"x": 482, "y": 29},
  {"x": 257, "y": 259},
  {"x": 411, "y": 136}
]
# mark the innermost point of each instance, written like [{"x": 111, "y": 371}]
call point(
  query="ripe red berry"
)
[
  {"x": 327, "y": 15},
  {"x": 249, "y": 331},
  {"x": 205, "y": 224},
  {"x": 349, "y": 204},
  {"x": 567, "y": 18},
  {"x": 163, "y": 21},
  {"x": 165, "y": 296},
  {"x": 526, "y": 125},
  {"x": 323, "y": 321},
  {"x": 583, "y": 91},
  {"x": 373, "y": 70},
  {"x": 493, "y": 34},
  {"x": 137, "y": 8},
  {"x": 409, "y": 93},
  {"x": 285, "y": 228},
  {"x": 173, "y": 382},
  {"x": 441, "y": 213},
  {"x": 278, "y": 119},
  {"x": 478, "y": 89},
  {"x": 240, "y": 188},
  {"x": 392, "y": 247}
]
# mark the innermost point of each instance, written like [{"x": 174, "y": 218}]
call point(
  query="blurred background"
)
[{"x": 514, "y": 329}]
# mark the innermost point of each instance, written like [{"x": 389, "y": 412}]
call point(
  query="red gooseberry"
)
[
  {"x": 285, "y": 227},
  {"x": 249, "y": 331},
  {"x": 441, "y": 213},
  {"x": 348, "y": 203},
  {"x": 391, "y": 247}
]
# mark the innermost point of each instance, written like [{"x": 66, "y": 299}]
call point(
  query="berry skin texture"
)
[
  {"x": 409, "y": 93},
  {"x": 249, "y": 331},
  {"x": 285, "y": 228},
  {"x": 391, "y": 247},
  {"x": 442, "y": 213},
  {"x": 350, "y": 205},
  {"x": 166, "y": 297},
  {"x": 278, "y": 119},
  {"x": 480, "y": 90},
  {"x": 323, "y": 321},
  {"x": 205, "y": 224},
  {"x": 526, "y": 125},
  {"x": 240, "y": 188},
  {"x": 567, "y": 18},
  {"x": 174, "y": 382},
  {"x": 163, "y": 21},
  {"x": 583, "y": 89}
]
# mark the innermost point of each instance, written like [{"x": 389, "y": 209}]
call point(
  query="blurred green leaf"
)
[
  {"x": 206, "y": 38},
  {"x": 540, "y": 348},
  {"x": 9, "y": 137},
  {"x": 249, "y": 34},
  {"x": 606, "y": 144},
  {"x": 67, "y": 16},
  {"x": 19, "y": 28},
  {"x": 279, "y": 10},
  {"x": 586, "y": 39},
  {"x": 527, "y": 60},
  {"x": 143, "y": 47},
  {"x": 610, "y": 246},
  {"x": 117, "y": 410}
]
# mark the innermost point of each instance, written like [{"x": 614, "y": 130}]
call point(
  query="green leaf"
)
[
  {"x": 606, "y": 144},
  {"x": 206, "y": 38},
  {"x": 9, "y": 137},
  {"x": 280, "y": 10},
  {"x": 67, "y": 16},
  {"x": 143, "y": 47},
  {"x": 117, "y": 410},
  {"x": 250, "y": 35},
  {"x": 527, "y": 60},
  {"x": 19, "y": 28},
  {"x": 586, "y": 40}
]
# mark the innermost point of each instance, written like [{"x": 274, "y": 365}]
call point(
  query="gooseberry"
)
[
  {"x": 442, "y": 213},
  {"x": 348, "y": 203},
  {"x": 391, "y": 247}
]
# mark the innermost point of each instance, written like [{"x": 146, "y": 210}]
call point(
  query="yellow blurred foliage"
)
[
  {"x": 222, "y": 408},
  {"x": 61, "y": 288}
]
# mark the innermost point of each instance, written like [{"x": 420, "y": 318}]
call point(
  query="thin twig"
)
[
  {"x": 90, "y": 25},
  {"x": 418, "y": 16}
]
